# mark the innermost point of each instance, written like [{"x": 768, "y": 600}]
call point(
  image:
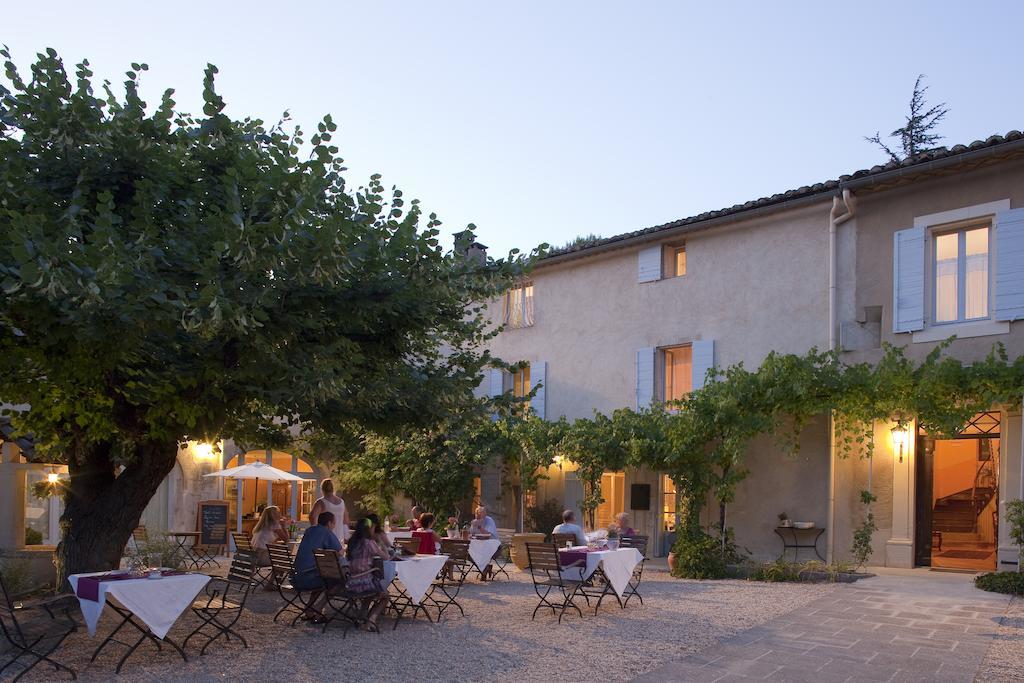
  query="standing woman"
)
[{"x": 329, "y": 502}]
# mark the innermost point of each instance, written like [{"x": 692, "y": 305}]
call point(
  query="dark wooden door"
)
[{"x": 923, "y": 478}]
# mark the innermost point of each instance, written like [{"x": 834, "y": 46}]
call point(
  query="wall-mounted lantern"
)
[{"x": 900, "y": 439}]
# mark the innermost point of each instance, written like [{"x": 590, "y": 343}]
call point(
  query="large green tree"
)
[{"x": 169, "y": 277}]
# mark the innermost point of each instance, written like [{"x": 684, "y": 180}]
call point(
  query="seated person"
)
[
  {"x": 269, "y": 529},
  {"x": 482, "y": 524},
  {"x": 414, "y": 523},
  {"x": 622, "y": 521},
  {"x": 428, "y": 537},
  {"x": 378, "y": 536},
  {"x": 569, "y": 526},
  {"x": 362, "y": 551},
  {"x": 305, "y": 576}
]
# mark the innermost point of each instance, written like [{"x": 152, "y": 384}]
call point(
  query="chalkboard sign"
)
[
  {"x": 640, "y": 497},
  {"x": 212, "y": 523}
]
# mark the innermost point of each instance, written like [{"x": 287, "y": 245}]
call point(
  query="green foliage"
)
[
  {"x": 1015, "y": 521},
  {"x": 699, "y": 556},
  {"x": 917, "y": 134},
  {"x": 780, "y": 570},
  {"x": 17, "y": 575},
  {"x": 33, "y": 537},
  {"x": 543, "y": 517},
  {"x": 861, "y": 548},
  {"x": 159, "y": 551},
  {"x": 595, "y": 446},
  {"x": 1001, "y": 582},
  {"x": 169, "y": 276}
]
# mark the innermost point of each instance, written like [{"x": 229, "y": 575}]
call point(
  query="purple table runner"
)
[{"x": 89, "y": 586}]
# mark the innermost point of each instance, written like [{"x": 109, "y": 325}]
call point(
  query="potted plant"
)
[
  {"x": 784, "y": 520},
  {"x": 613, "y": 537}
]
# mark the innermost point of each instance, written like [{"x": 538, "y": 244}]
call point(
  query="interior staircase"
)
[{"x": 958, "y": 513}]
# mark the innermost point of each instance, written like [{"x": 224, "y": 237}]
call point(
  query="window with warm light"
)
[
  {"x": 678, "y": 372},
  {"x": 961, "y": 275},
  {"x": 668, "y": 503},
  {"x": 518, "y": 306},
  {"x": 679, "y": 261},
  {"x": 521, "y": 382}
]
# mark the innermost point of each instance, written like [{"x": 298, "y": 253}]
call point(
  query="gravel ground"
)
[
  {"x": 1005, "y": 658},
  {"x": 495, "y": 641}
]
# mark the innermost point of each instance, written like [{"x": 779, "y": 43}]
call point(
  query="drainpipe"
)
[{"x": 835, "y": 219}]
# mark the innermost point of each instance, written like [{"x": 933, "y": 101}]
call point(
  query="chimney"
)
[{"x": 466, "y": 245}]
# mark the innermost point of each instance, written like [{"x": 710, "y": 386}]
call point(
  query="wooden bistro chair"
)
[
  {"x": 640, "y": 543},
  {"x": 444, "y": 591},
  {"x": 346, "y": 605},
  {"x": 410, "y": 546},
  {"x": 561, "y": 539},
  {"x": 546, "y": 572},
  {"x": 36, "y": 638},
  {"x": 282, "y": 569},
  {"x": 243, "y": 544},
  {"x": 222, "y": 605}
]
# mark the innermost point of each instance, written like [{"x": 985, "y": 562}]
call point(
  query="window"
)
[
  {"x": 668, "y": 504},
  {"x": 673, "y": 260},
  {"x": 518, "y": 306},
  {"x": 613, "y": 490},
  {"x": 678, "y": 364},
  {"x": 521, "y": 382},
  {"x": 961, "y": 275},
  {"x": 679, "y": 261},
  {"x": 42, "y": 515}
]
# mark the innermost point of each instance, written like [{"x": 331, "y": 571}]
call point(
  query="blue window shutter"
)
[
  {"x": 1009, "y": 255},
  {"x": 538, "y": 375},
  {"x": 703, "y": 359},
  {"x": 908, "y": 260},
  {"x": 644, "y": 377},
  {"x": 497, "y": 381},
  {"x": 649, "y": 264}
]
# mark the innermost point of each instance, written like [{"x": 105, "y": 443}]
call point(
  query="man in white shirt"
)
[
  {"x": 482, "y": 524},
  {"x": 569, "y": 526}
]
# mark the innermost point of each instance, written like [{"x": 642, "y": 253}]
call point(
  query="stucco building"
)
[{"x": 907, "y": 253}]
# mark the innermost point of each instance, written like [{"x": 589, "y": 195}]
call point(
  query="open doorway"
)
[{"x": 958, "y": 497}]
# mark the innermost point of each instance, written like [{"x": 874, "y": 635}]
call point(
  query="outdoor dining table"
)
[
  {"x": 186, "y": 541},
  {"x": 149, "y": 605},
  {"x": 482, "y": 551},
  {"x": 392, "y": 535},
  {"x": 415, "y": 572},
  {"x": 616, "y": 565}
]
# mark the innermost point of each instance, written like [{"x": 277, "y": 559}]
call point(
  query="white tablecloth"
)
[
  {"x": 392, "y": 535},
  {"x": 155, "y": 602},
  {"x": 416, "y": 573},
  {"x": 482, "y": 551},
  {"x": 618, "y": 566}
]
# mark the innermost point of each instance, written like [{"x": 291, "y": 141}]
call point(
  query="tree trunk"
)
[
  {"x": 101, "y": 509},
  {"x": 517, "y": 497}
]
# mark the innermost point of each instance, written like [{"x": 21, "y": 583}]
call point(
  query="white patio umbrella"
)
[{"x": 257, "y": 471}]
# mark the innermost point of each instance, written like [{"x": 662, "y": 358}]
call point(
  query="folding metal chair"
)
[
  {"x": 350, "y": 606},
  {"x": 295, "y": 600},
  {"x": 561, "y": 539},
  {"x": 243, "y": 544},
  {"x": 546, "y": 572},
  {"x": 38, "y": 638},
  {"x": 224, "y": 602},
  {"x": 444, "y": 591},
  {"x": 640, "y": 543}
]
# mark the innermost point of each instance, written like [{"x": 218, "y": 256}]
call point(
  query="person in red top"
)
[
  {"x": 622, "y": 520},
  {"x": 428, "y": 537},
  {"x": 414, "y": 523}
]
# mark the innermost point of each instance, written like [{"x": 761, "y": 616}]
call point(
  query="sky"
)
[{"x": 541, "y": 121}]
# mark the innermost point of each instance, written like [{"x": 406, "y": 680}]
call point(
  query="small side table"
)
[
  {"x": 793, "y": 541},
  {"x": 191, "y": 555}
]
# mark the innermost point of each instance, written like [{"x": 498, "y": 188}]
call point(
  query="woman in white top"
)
[
  {"x": 268, "y": 529},
  {"x": 329, "y": 502}
]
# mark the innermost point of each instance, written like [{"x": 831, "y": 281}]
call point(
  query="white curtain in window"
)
[
  {"x": 519, "y": 306},
  {"x": 947, "y": 253},
  {"x": 976, "y": 295}
]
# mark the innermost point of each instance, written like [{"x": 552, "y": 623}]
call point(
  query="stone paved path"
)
[{"x": 909, "y": 625}]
